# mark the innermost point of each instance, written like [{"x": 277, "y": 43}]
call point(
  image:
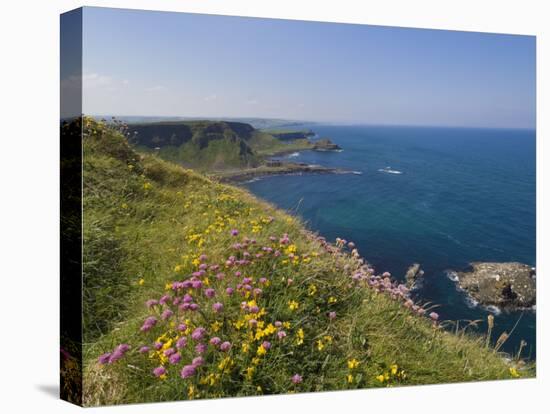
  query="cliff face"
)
[
  {"x": 199, "y": 144},
  {"x": 325, "y": 144}
]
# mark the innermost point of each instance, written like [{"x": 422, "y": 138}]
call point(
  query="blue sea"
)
[{"x": 441, "y": 197}]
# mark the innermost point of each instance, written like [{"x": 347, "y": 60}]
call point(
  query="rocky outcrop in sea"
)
[{"x": 508, "y": 286}]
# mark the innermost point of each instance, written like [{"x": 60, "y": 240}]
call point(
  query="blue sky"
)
[{"x": 176, "y": 64}]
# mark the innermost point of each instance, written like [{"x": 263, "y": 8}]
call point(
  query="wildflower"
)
[
  {"x": 159, "y": 371},
  {"x": 250, "y": 373},
  {"x": 261, "y": 351},
  {"x": 217, "y": 307},
  {"x": 148, "y": 324},
  {"x": 210, "y": 293},
  {"x": 201, "y": 348},
  {"x": 182, "y": 327},
  {"x": 300, "y": 337},
  {"x": 144, "y": 349},
  {"x": 349, "y": 378},
  {"x": 151, "y": 302},
  {"x": 393, "y": 369},
  {"x": 167, "y": 314},
  {"x": 198, "y": 361},
  {"x": 332, "y": 315},
  {"x": 118, "y": 353},
  {"x": 296, "y": 379},
  {"x": 104, "y": 359},
  {"x": 266, "y": 345},
  {"x": 229, "y": 291},
  {"x": 292, "y": 305},
  {"x": 353, "y": 363},
  {"x": 215, "y": 341},
  {"x": 178, "y": 268},
  {"x": 188, "y": 371},
  {"x": 381, "y": 378},
  {"x": 141, "y": 281},
  {"x": 434, "y": 316},
  {"x": 514, "y": 372},
  {"x": 147, "y": 186},
  {"x": 281, "y": 334},
  {"x": 175, "y": 358},
  {"x": 225, "y": 346},
  {"x": 198, "y": 334},
  {"x": 234, "y": 232},
  {"x": 320, "y": 345},
  {"x": 332, "y": 300},
  {"x": 312, "y": 290}
]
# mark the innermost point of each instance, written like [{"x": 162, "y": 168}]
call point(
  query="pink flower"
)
[
  {"x": 175, "y": 358},
  {"x": 203, "y": 257},
  {"x": 182, "y": 327},
  {"x": 201, "y": 348},
  {"x": 225, "y": 346},
  {"x": 217, "y": 307},
  {"x": 266, "y": 345},
  {"x": 229, "y": 291},
  {"x": 296, "y": 379},
  {"x": 434, "y": 316},
  {"x": 281, "y": 334},
  {"x": 143, "y": 349},
  {"x": 198, "y": 361},
  {"x": 234, "y": 232},
  {"x": 188, "y": 371},
  {"x": 181, "y": 343},
  {"x": 167, "y": 314},
  {"x": 159, "y": 371},
  {"x": 210, "y": 293},
  {"x": 215, "y": 341},
  {"x": 198, "y": 334},
  {"x": 332, "y": 315}
]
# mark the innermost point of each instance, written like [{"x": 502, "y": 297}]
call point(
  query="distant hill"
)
[
  {"x": 213, "y": 145},
  {"x": 199, "y": 144}
]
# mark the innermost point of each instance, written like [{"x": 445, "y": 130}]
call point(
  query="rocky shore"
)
[
  {"x": 282, "y": 169},
  {"x": 325, "y": 144},
  {"x": 508, "y": 286}
]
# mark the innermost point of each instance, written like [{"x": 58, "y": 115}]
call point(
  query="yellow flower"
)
[
  {"x": 293, "y": 305},
  {"x": 381, "y": 378},
  {"x": 261, "y": 351},
  {"x": 332, "y": 299},
  {"x": 216, "y": 326},
  {"x": 349, "y": 378},
  {"x": 250, "y": 373},
  {"x": 300, "y": 337},
  {"x": 190, "y": 392},
  {"x": 353, "y": 363},
  {"x": 141, "y": 282},
  {"x": 393, "y": 369},
  {"x": 312, "y": 290},
  {"x": 245, "y": 347},
  {"x": 124, "y": 206},
  {"x": 320, "y": 345},
  {"x": 168, "y": 286},
  {"x": 178, "y": 268},
  {"x": 147, "y": 186},
  {"x": 514, "y": 373}
]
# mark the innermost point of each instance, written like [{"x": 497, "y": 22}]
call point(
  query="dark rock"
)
[{"x": 505, "y": 285}]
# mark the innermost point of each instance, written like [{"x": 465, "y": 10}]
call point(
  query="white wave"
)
[
  {"x": 357, "y": 172},
  {"x": 471, "y": 302},
  {"x": 293, "y": 155},
  {"x": 388, "y": 170},
  {"x": 452, "y": 275},
  {"x": 493, "y": 309}
]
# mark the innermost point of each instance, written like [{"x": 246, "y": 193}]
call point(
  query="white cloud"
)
[{"x": 209, "y": 98}]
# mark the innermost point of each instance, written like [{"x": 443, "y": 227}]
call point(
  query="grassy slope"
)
[
  {"x": 265, "y": 144},
  {"x": 141, "y": 220}
]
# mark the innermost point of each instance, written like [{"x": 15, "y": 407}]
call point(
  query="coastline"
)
[{"x": 285, "y": 169}]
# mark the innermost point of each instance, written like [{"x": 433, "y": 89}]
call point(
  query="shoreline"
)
[{"x": 285, "y": 169}]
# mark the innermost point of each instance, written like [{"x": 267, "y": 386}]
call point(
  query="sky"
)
[{"x": 145, "y": 63}]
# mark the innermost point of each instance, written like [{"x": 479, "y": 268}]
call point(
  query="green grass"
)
[
  {"x": 265, "y": 144},
  {"x": 147, "y": 220}
]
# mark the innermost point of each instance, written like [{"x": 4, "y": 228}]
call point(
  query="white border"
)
[{"x": 30, "y": 201}]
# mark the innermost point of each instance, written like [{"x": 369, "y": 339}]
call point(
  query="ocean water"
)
[{"x": 441, "y": 197}]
